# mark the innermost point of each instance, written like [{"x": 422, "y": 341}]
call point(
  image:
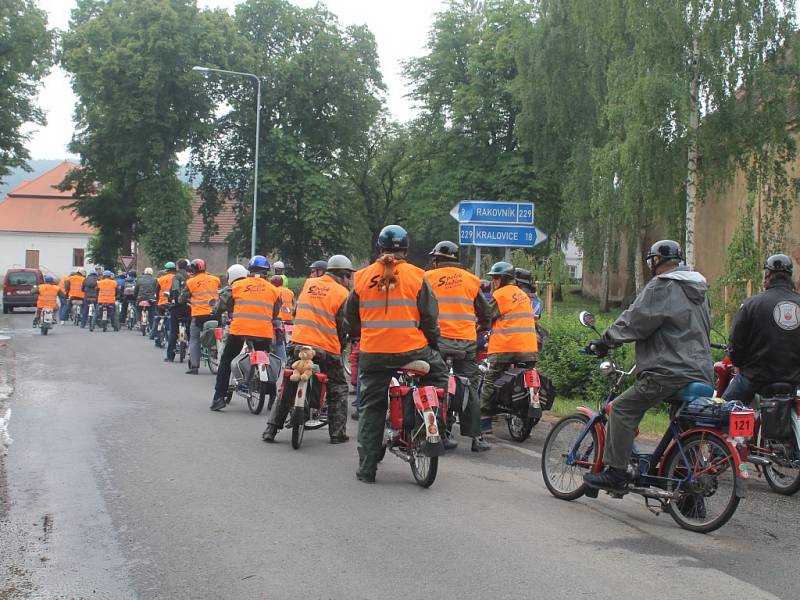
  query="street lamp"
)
[{"x": 258, "y": 132}]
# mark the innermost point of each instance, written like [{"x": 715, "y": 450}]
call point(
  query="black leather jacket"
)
[{"x": 765, "y": 337}]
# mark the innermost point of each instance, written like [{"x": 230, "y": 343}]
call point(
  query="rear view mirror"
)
[{"x": 587, "y": 319}]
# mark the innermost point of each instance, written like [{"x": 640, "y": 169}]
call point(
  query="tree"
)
[
  {"x": 139, "y": 104},
  {"x": 25, "y": 57},
  {"x": 321, "y": 96}
]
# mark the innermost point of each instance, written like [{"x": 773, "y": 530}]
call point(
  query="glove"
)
[{"x": 598, "y": 347}]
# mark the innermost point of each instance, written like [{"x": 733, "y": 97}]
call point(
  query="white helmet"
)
[
  {"x": 339, "y": 262},
  {"x": 148, "y": 271},
  {"x": 82, "y": 271},
  {"x": 278, "y": 265},
  {"x": 236, "y": 271}
]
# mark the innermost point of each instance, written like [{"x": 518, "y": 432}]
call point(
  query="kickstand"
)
[{"x": 656, "y": 510}]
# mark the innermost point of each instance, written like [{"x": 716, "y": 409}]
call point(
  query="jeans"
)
[
  {"x": 63, "y": 311},
  {"x": 279, "y": 340},
  {"x": 195, "y": 330},
  {"x": 85, "y": 309},
  {"x": 742, "y": 388}
]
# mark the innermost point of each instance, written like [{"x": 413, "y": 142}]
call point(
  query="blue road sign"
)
[
  {"x": 486, "y": 211},
  {"x": 500, "y": 236}
]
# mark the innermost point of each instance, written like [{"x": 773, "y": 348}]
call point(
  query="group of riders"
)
[{"x": 395, "y": 313}]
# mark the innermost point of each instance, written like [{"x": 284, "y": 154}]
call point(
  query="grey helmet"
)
[{"x": 339, "y": 262}]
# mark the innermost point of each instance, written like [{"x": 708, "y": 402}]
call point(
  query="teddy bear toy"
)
[{"x": 303, "y": 367}]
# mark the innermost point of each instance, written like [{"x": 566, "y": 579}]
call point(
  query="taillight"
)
[
  {"x": 532, "y": 379},
  {"x": 218, "y": 333},
  {"x": 797, "y": 406}
]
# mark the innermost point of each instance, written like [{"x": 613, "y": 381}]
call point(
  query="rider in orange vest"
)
[
  {"x": 47, "y": 298},
  {"x": 462, "y": 310},
  {"x": 163, "y": 289},
  {"x": 200, "y": 291},
  {"x": 253, "y": 303},
  {"x": 320, "y": 323},
  {"x": 395, "y": 313},
  {"x": 107, "y": 295},
  {"x": 513, "y": 338}
]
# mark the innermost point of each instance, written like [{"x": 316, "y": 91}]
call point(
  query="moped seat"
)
[
  {"x": 417, "y": 368},
  {"x": 692, "y": 391},
  {"x": 779, "y": 389},
  {"x": 453, "y": 354}
]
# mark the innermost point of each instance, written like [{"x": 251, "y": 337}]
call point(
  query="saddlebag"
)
[
  {"x": 207, "y": 335},
  {"x": 776, "y": 418},
  {"x": 511, "y": 395}
]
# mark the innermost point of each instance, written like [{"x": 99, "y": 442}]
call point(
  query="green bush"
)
[{"x": 574, "y": 374}]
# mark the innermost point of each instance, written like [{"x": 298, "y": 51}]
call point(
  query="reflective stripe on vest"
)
[
  {"x": 202, "y": 287},
  {"x": 48, "y": 294},
  {"x": 164, "y": 284},
  {"x": 456, "y": 290},
  {"x": 390, "y": 319},
  {"x": 287, "y": 298},
  {"x": 253, "y": 305},
  {"x": 515, "y": 329},
  {"x": 106, "y": 291},
  {"x": 75, "y": 283},
  {"x": 317, "y": 307}
]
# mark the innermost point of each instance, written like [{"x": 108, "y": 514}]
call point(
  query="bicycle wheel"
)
[
  {"x": 256, "y": 393},
  {"x": 565, "y": 481},
  {"x": 783, "y": 473},
  {"x": 520, "y": 429},
  {"x": 709, "y": 499},
  {"x": 298, "y": 426},
  {"x": 423, "y": 467}
]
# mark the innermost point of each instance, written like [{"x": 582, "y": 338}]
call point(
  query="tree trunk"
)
[
  {"x": 604, "y": 272},
  {"x": 691, "y": 174}
]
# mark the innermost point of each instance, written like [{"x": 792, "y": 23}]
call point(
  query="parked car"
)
[{"x": 20, "y": 288}]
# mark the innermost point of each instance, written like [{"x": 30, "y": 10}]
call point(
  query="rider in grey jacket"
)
[{"x": 670, "y": 322}]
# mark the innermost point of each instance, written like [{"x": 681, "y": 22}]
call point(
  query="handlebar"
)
[{"x": 719, "y": 346}]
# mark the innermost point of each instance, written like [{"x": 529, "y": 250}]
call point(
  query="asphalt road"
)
[{"x": 121, "y": 483}]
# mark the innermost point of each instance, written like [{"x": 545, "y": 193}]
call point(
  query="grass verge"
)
[{"x": 654, "y": 424}]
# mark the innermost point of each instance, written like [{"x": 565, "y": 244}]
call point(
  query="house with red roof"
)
[
  {"x": 38, "y": 230},
  {"x": 215, "y": 250}
]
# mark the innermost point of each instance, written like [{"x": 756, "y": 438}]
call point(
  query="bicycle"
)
[
  {"x": 695, "y": 466},
  {"x": 255, "y": 375},
  {"x": 183, "y": 340}
]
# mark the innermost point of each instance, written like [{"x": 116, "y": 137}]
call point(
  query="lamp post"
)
[{"x": 258, "y": 134}]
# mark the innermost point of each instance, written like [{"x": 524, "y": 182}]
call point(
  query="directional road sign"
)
[
  {"x": 500, "y": 236},
  {"x": 486, "y": 211}
]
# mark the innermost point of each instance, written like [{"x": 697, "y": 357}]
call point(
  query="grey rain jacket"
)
[{"x": 670, "y": 321}]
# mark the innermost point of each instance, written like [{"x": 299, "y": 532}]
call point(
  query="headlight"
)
[{"x": 606, "y": 368}]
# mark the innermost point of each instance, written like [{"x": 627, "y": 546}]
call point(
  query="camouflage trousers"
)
[{"x": 335, "y": 396}]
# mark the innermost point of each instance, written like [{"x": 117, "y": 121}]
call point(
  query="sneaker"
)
[
  {"x": 339, "y": 439},
  {"x": 365, "y": 477},
  {"x": 610, "y": 479},
  {"x": 218, "y": 403},
  {"x": 192, "y": 371},
  {"x": 480, "y": 445},
  {"x": 168, "y": 359},
  {"x": 269, "y": 433}
]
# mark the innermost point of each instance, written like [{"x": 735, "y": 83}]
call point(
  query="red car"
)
[{"x": 20, "y": 288}]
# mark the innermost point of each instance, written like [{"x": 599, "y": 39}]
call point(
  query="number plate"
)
[
  {"x": 23, "y": 292},
  {"x": 742, "y": 423}
]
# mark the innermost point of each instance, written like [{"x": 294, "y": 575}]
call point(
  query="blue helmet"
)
[
  {"x": 48, "y": 279},
  {"x": 107, "y": 273},
  {"x": 258, "y": 263}
]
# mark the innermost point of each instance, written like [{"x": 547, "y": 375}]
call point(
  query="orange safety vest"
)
[
  {"x": 515, "y": 328},
  {"x": 287, "y": 299},
  {"x": 48, "y": 294},
  {"x": 62, "y": 285},
  {"x": 455, "y": 289},
  {"x": 390, "y": 318},
  {"x": 164, "y": 284},
  {"x": 75, "y": 283},
  {"x": 106, "y": 291},
  {"x": 317, "y": 307},
  {"x": 202, "y": 287},
  {"x": 253, "y": 306}
]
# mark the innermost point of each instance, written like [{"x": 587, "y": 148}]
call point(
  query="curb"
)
[{"x": 6, "y": 391}]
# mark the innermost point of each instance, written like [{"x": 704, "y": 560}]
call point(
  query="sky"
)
[{"x": 400, "y": 28}]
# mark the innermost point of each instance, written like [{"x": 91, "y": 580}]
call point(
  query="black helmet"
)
[
  {"x": 665, "y": 250},
  {"x": 446, "y": 250},
  {"x": 319, "y": 265},
  {"x": 393, "y": 238},
  {"x": 523, "y": 275},
  {"x": 779, "y": 263},
  {"x": 503, "y": 270}
]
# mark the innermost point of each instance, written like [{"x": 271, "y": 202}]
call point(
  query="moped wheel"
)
[
  {"x": 423, "y": 467},
  {"x": 520, "y": 429},
  {"x": 783, "y": 473},
  {"x": 298, "y": 426},
  {"x": 565, "y": 481},
  {"x": 256, "y": 395},
  {"x": 105, "y": 326},
  {"x": 182, "y": 352},
  {"x": 212, "y": 360},
  {"x": 708, "y": 500},
  {"x": 44, "y": 330}
]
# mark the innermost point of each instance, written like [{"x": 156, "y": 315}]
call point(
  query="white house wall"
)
[{"x": 55, "y": 250}]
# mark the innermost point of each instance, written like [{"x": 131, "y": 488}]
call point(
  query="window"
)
[
  {"x": 21, "y": 278},
  {"x": 77, "y": 257},
  {"x": 31, "y": 259}
]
